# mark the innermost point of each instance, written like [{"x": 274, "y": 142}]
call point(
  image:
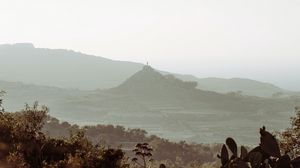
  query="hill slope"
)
[
  {"x": 177, "y": 110},
  {"x": 61, "y": 68}
]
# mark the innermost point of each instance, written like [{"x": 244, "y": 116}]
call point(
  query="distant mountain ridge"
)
[
  {"x": 68, "y": 69},
  {"x": 244, "y": 86},
  {"x": 61, "y": 68}
]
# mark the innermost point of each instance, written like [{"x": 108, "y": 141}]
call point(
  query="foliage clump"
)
[
  {"x": 290, "y": 138},
  {"x": 23, "y": 144}
]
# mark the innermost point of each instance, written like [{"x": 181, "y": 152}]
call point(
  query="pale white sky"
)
[{"x": 257, "y": 39}]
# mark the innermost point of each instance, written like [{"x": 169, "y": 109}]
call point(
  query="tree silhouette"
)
[{"x": 143, "y": 155}]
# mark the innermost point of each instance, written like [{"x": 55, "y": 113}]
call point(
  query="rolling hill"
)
[
  {"x": 177, "y": 110},
  {"x": 162, "y": 105},
  {"x": 61, "y": 68},
  {"x": 68, "y": 69}
]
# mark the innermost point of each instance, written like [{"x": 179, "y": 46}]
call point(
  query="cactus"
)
[
  {"x": 266, "y": 155},
  {"x": 232, "y": 146},
  {"x": 234, "y": 161}
]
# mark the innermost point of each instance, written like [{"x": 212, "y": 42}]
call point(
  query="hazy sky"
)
[{"x": 256, "y": 39}]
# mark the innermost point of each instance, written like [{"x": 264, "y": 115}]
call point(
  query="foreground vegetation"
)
[{"x": 24, "y": 145}]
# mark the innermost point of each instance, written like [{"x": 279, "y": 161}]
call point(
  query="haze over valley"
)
[
  {"x": 86, "y": 89},
  {"x": 149, "y": 84}
]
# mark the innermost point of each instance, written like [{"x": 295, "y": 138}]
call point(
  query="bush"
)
[{"x": 23, "y": 144}]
